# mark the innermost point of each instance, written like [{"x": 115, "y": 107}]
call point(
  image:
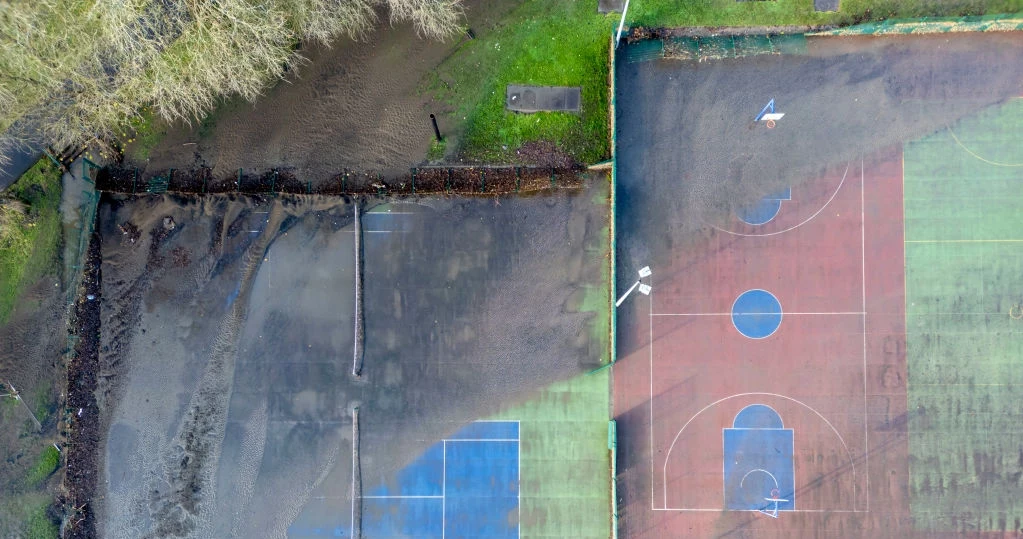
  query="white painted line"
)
[
  {"x": 863, "y": 259},
  {"x": 403, "y": 497},
  {"x": 650, "y": 320},
  {"x": 444, "y": 489},
  {"x": 784, "y": 313},
  {"x": 355, "y": 427},
  {"x": 793, "y": 227}
]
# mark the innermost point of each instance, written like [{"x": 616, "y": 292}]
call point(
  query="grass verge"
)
[
  {"x": 566, "y": 44},
  {"x": 43, "y": 467},
  {"x": 30, "y": 231},
  {"x": 540, "y": 42},
  {"x": 27, "y": 515},
  {"x": 142, "y": 134}
]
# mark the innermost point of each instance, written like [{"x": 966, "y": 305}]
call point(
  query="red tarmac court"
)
[{"x": 834, "y": 370}]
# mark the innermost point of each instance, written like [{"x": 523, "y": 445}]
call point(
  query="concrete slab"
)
[
  {"x": 542, "y": 98},
  {"x": 610, "y": 6},
  {"x": 826, "y": 5}
]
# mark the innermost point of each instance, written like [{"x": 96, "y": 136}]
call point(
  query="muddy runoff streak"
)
[{"x": 227, "y": 392}]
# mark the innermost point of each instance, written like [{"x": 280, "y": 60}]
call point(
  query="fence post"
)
[
  {"x": 134, "y": 178},
  {"x": 518, "y": 170},
  {"x": 553, "y": 184},
  {"x": 413, "y": 180},
  {"x": 483, "y": 181},
  {"x": 447, "y": 184},
  {"x": 238, "y": 184}
]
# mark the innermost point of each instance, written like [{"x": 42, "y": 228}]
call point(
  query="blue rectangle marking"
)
[
  {"x": 402, "y": 517},
  {"x": 758, "y": 464},
  {"x": 482, "y": 489},
  {"x": 488, "y": 430}
]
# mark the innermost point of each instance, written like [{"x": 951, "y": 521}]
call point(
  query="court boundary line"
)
[
  {"x": 863, "y": 269},
  {"x": 650, "y": 321},
  {"x": 837, "y": 313},
  {"x": 793, "y": 227}
]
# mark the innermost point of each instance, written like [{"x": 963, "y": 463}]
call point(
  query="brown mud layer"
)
[
  {"x": 459, "y": 180},
  {"x": 83, "y": 438}
]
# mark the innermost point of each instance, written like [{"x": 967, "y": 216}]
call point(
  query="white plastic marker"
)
[{"x": 643, "y": 288}]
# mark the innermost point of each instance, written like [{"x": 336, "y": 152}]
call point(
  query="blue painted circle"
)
[
  {"x": 756, "y": 313},
  {"x": 761, "y": 213}
]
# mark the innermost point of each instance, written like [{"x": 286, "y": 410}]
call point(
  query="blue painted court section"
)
[
  {"x": 758, "y": 462},
  {"x": 464, "y": 486},
  {"x": 765, "y": 209},
  {"x": 756, "y": 314}
]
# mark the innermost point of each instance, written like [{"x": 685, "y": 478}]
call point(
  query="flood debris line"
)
[
  {"x": 359, "y": 333},
  {"x": 81, "y": 415},
  {"x": 455, "y": 180},
  {"x": 356, "y": 478}
]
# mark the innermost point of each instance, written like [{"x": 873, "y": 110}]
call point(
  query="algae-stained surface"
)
[
  {"x": 227, "y": 391},
  {"x": 565, "y": 485},
  {"x": 964, "y": 261}
]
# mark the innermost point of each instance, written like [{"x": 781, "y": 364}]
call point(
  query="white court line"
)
[
  {"x": 863, "y": 259},
  {"x": 444, "y": 490},
  {"x": 793, "y": 227},
  {"x": 785, "y": 313},
  {"x": 650, "y": 320},
  {"x": 401, "y": 497}
]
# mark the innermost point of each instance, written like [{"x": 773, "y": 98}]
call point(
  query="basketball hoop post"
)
[{"x": 769, "y": 107}]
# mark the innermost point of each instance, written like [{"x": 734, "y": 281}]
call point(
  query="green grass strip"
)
[{"x": 30, "y": 232}]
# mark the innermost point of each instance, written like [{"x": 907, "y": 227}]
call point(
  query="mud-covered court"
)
[
  {"x": 826, "y": 348},
  {"x": 227, "y": 393}
]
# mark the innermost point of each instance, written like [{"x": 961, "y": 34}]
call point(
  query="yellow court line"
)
[{"x": 971, "y": 152}]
